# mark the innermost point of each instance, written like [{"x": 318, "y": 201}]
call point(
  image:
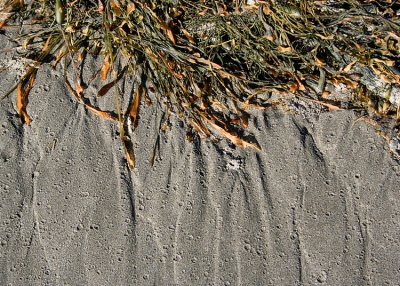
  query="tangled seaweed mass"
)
[{"x": 210, "y": 61}]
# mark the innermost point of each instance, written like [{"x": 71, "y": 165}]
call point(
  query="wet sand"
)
[{"x": 319, "y": 205}]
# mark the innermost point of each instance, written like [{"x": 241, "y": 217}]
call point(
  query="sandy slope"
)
[{"x": 318, "y": 206}]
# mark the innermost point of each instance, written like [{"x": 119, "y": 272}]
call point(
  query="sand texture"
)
[{"x": 319, "y": 205}]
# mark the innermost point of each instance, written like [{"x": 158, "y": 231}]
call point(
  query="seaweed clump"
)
[{"x": 210, "y": 61}]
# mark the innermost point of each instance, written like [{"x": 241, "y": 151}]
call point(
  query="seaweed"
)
[{"x": 210, "y": 61}]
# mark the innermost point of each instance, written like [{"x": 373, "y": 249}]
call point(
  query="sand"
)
[{"x": 319, "y": 205}]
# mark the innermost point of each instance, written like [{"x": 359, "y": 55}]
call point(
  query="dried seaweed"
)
[{"x": 210, "y": 60}]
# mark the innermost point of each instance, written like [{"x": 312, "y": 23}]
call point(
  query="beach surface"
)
[{"x": 318, "y": 205}]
